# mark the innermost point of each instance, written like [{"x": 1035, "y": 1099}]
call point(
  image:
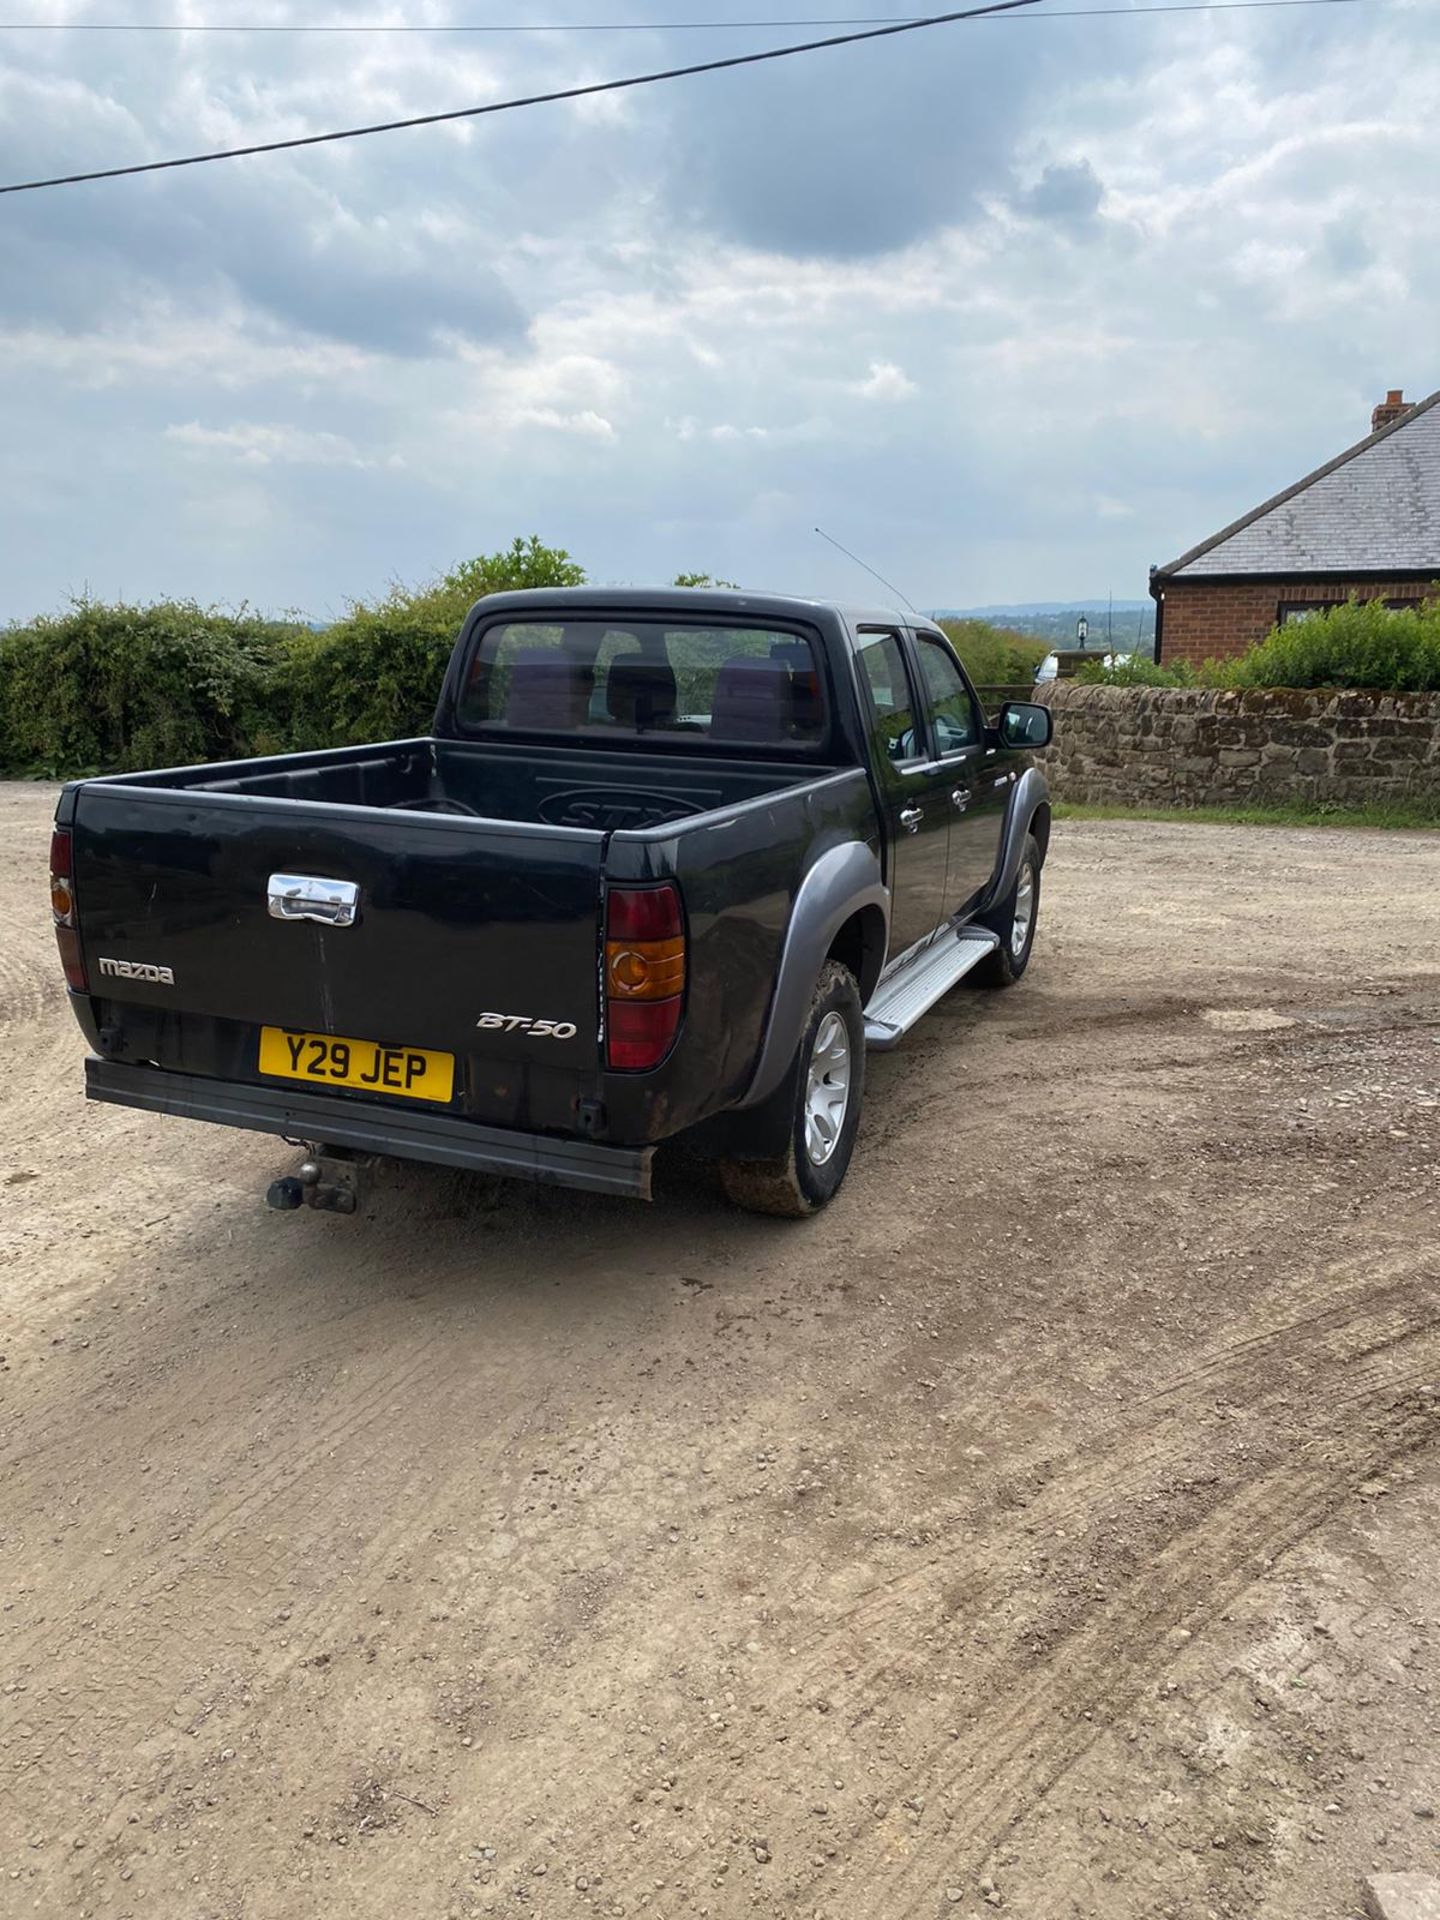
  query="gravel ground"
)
[{"x": 1050, "y": 1526}]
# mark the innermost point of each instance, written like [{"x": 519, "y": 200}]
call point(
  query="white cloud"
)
[
  {"x": 165, "y": 346},
  {"x": 548, "y": 385},
  {"x": 587, "y": 423},
  {"x": 796, "y": 433},
  {"x": 1165, "y": 278},
  {"x": 257, "y": 445},
  {"x": 885, "y": 381}
]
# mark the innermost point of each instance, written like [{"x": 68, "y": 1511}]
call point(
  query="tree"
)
[
  {"x": 375, "y": 675},
  {"x": 524, "y": 563}
]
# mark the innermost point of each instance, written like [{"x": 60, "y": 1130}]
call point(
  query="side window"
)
[
  {"x": 949, "y": 706},
  {"x": 1289, "y": 611},
  {"x": 883, "y": 665}
]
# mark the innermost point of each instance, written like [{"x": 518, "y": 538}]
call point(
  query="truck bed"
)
[
  {"x": 480, "y": 873},
  {"x": 606, "y": 788}
]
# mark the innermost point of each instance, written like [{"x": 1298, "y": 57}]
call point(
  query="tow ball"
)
[{"x": 324, "y": 1181}]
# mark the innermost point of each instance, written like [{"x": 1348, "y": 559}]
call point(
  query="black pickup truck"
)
[{"x": 668, "y": 864}]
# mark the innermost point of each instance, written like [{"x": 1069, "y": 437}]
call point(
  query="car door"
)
[
  {"x": 914, "y": 791},
  {"x": 976, "y": 776}
]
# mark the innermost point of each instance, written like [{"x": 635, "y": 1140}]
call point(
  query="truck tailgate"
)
[{"x": 456, "y": 919}]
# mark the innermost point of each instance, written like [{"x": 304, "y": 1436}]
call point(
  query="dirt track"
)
[{"x": 1055, "y": 1519}]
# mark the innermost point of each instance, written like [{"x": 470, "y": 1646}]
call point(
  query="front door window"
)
[
  {"x": 916, "y": 811},
  {"x": 950, "y": 706},
  {"x": 977, "y": 775}
]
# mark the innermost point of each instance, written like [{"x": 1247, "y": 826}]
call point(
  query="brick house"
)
[{"x": 1366, "y": 523}]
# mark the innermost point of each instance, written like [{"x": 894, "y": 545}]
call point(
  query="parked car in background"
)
[{"x": 1051, "y": 668}]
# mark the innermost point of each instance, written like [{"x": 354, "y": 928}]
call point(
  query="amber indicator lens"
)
[{"x": 644, "y": 975}]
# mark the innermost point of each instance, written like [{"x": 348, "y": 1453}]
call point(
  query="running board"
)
[{"x": 899, "y": 1003}]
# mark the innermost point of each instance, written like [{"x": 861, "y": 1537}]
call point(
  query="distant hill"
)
[
  {"x": 1073, "y": 607},
  {"x": 1131, "y": 622}
]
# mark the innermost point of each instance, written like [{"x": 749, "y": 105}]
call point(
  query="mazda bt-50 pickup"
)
[{"x": 667, "y": 864}]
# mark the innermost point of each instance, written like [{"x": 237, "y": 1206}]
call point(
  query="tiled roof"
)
[{"x": 1375, "y": 508}]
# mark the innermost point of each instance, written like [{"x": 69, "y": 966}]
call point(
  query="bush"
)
[
  {"x": 1136, "y": 673},
  {"x": 114, "y": 688},
  {"x": 375, "y": 675},
  {"x": 1362, "y": 644},
  {"x": 995, "y": 656}
]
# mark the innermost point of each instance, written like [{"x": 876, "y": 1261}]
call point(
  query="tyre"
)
[
  {"x": 1014, "y": 921},
  {"x": 815, "y": 1111}
]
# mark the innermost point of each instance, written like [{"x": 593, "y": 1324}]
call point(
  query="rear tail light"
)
[
  {"x": 644, "y": 975},
  {"x": 62, "y": 908}
]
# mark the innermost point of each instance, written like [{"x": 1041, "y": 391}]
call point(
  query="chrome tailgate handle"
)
[{"x": 303, "y": 896}]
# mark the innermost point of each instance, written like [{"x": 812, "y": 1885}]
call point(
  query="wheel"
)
[
  {"x": 815, "y": 1110},
  {"x": 1014, "y": 920}
]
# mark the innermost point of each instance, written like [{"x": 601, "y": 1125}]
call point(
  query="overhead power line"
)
[
  {"x": 627, "y": 26},
  {"x": 528, "y": 100},
  {"x": 365, "y": 26},
  {"x": 595, "y": 88}
]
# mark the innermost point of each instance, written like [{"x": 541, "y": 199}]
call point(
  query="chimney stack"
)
[{"x": 1389, "y": 410}]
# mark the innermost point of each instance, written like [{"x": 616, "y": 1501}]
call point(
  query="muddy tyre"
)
[
  {"x": 821, "y": 1096},
  {"x": 1014, "y": 921}
]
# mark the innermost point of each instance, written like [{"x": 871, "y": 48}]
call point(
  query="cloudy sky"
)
[{"x": 1012, "y": 308}]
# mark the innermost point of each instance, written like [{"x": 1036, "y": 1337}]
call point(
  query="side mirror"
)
[{"x": 1025, "y": 723}]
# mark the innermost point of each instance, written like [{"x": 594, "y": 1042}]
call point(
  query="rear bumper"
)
[{"x": 370, "y": 1128}]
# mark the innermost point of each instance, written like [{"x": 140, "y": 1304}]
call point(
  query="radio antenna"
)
[{"x": 870, "y": 570}]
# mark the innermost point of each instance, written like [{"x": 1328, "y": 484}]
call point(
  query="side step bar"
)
[{"x": 899, "y": 1002}]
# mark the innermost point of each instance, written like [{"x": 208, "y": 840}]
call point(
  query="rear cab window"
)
[
  {"x": 609, "y": 680},
  {"x": 887, "y": 682}
]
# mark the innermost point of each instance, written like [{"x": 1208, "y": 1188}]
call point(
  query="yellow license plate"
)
[{"x": 328, "y": 1060}]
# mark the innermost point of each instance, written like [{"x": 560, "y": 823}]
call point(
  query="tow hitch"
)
[{"x": 327, "y": 1181}]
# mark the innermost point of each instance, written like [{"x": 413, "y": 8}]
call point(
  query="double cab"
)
[{"x": 668, "y": 863}]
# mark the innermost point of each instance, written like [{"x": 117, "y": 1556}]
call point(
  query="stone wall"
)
[{"x": 1192, "y": 747}]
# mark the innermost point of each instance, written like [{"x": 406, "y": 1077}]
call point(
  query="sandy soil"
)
[{"x": 1051, "y": 1525}]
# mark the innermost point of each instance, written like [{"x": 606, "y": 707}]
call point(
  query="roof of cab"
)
[{"x": 762, "y": 606}]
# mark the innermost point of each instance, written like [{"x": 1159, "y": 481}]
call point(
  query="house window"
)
[{"x": 1293, "y": 610}]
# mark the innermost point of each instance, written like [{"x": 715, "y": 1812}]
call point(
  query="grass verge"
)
[{"x": 1387, "y": 815}]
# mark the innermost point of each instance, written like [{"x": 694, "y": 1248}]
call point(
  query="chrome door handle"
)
[
  {"x": 911, "y": 817},
  {"x": 303, "y": 896},
  {"x": 961, "y": 797}
]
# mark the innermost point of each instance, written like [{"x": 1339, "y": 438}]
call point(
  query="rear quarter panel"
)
[{"x": 739, "y": 875}]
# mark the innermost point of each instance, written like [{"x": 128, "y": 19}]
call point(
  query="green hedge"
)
[
  {"x": 376, "y": 674},
  {"x": 995, "y": 656},
  {"x": 1361, "y": 644},
  {"x": 1135, "y": 673},
  {"x": 113, "y": 688},
  {"x": 108, "y": 689}
]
